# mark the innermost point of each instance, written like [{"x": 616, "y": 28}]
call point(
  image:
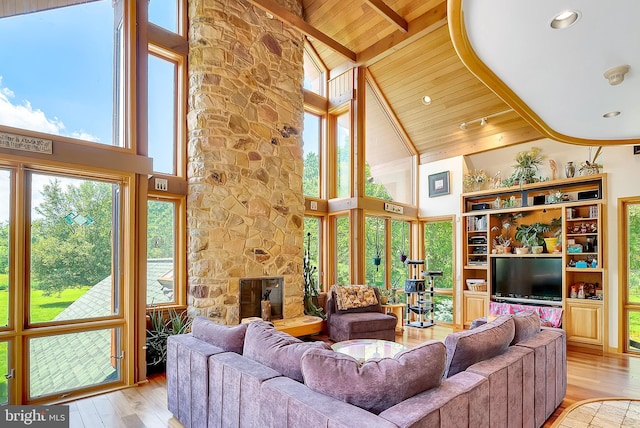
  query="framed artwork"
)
[
  {"x": 636, "y": 150},
  {"x": 439, "y": 184}
]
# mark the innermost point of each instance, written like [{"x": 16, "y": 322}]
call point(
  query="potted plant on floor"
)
[{"x": 161, "y": 324}]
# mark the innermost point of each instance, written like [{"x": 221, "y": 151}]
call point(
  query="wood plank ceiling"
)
[{"x": 409, "y": 64}]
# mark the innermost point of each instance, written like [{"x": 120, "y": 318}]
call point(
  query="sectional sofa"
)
[{"x": 505, "y": 373}]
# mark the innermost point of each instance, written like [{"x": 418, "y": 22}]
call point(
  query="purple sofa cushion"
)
[
  {"x": 229, "y": 338},
  {"x": 468, "y": 347},
  {"x": 277, "y": 350},
  {"x": 378, "y": 383},
  {"x": 527, "y": 325}
]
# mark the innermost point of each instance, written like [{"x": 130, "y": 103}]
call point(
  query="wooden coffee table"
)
[{"x": 365, "y": 349}]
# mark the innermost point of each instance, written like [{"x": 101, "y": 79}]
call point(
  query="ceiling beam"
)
[
  {"x": 419, "y": 27},
  {"x": 271, "y": 7},
  {"x": 389, "y": 14}
]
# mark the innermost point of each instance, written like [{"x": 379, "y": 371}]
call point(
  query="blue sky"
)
[{"x": 56, "y": 74}]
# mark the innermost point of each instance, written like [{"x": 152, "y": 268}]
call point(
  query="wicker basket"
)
[{"x": 477, "y": 284}]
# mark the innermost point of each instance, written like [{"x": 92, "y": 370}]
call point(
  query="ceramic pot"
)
[
  {"x": 569, "y": 169},
  {"x": 551, "y": 244},
  {"x": 522, "y": 250}
]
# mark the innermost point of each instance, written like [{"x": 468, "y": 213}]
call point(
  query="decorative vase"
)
[
  {"x": 570, "y": 169},
  {"x": 536, "y": 249},
  {"x": 522, "y": 250},
  {"x": 265, "y": 312}
]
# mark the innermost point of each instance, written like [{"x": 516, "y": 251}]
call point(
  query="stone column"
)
[{"x": 245, "y": 207}]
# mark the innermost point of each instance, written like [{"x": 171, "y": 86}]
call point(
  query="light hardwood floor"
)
[{"x": 589, "y": 376}]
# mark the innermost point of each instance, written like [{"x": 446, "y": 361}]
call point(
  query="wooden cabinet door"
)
[
  {"x": 475, "y": 306},
  {"x": 584, "y": 323}
]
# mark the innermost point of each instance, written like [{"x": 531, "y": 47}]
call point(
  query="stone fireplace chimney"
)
[{"x": 245, "y": 207}]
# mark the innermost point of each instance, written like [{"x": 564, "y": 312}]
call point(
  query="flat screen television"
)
[{"x": 537, "y": 278}]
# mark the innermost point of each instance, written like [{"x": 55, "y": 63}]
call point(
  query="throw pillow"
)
[
  {"x": 527, "y": 325},
  {"x": 277, "y": 350},
  {"x": 378, "y": 383},
  {"x": 229, "y": 338},
  {"x": 354, "y": 296},
  {"x": 468, "y": 347}
]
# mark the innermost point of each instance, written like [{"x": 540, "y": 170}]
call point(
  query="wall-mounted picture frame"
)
[
  {"x": 439, "y": 184},
  {"x": 636, "y": 150}
]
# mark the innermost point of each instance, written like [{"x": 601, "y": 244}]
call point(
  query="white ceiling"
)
[{"x": 558, "y": 74}]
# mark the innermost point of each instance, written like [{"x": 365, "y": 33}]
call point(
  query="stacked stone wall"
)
[{"x": 245, "y": 207}]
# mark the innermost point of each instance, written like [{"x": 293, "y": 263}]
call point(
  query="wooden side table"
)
[{"x": 398, "y": 309}]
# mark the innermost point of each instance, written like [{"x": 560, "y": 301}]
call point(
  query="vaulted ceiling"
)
[
  {"x": 408, "y": 51},
  {"x": 407, "y": 47}
]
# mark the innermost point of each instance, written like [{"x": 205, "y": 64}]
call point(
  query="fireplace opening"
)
[{"x": 251, "y": 292}]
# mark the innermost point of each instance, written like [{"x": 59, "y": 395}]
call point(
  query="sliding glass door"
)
[{"x": 630, "y": 273}]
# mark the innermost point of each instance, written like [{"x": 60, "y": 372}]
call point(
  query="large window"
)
[
  {"x": 312, "y": 243},
  {"x": 630, "y": 274},
  {"x": 314, "y": 74},
  {"x": 389, "y": 165},
  {"x": 161, "y": 251},
  {"x": 375, "y": 251},
  {"x": 343, "y": 156},
  {"x": 72, "y": 239},
  {"x": 342, "y": 250},
  {"x": 162, "y": 114},
  {"x": 311, "y": 138},
  {"x": 164, "y": 13},
  {"x": 439, "y": 256},
  {"x": 76, "y": 97}
]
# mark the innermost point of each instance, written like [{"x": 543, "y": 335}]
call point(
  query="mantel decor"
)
[{"x": 439, "y": 184}]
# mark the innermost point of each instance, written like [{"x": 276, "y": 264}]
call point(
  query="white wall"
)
[{"x": 623, "y": 178}]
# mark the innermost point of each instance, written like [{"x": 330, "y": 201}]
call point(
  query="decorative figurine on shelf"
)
[
  {"x": 265, "y": 306},
  {"x": 574, "y": 292},
  {"x": 581, "y": 291},
  {"x": 554, "y": 169}
]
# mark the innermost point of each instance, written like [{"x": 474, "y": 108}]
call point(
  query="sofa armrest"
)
[
  {"x": 287, "y": 403},
  {"x": 460, "y": 401},
  {"x": 187, "y": 378}
]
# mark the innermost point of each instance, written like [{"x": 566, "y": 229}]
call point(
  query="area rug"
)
[{"x": 601, "y": 412}]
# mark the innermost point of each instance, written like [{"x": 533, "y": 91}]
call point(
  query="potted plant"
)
[
  {"x": 160, "y": 325},
  {"x": 555, "y": 228},
  {"x": 474, "y": 180},
  {"x": 526, "y": 166},
  {"x": 530, "y": 235}
]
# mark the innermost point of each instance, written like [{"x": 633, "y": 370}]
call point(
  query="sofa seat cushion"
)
[
  {"x": 378, "y": 383},
  {"x": 467, "y": 347},
  {"x": 277, "y": 350},
  {"x": 229, "y": 338},
  {"x": 354, "y": 296},
  {"x": 364, "y": 322},
  {"x": 527, "y": 324}
]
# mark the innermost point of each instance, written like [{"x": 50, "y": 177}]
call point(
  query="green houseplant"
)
[
  {"x": 530, "y": 235},
  {"x": 526, "y": 167},
  {"x": 161, "y": 324}
]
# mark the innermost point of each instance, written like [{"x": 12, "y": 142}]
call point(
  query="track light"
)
[{"x": 482, "y": 120}]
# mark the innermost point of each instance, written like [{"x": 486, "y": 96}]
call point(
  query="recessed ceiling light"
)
[
  {"x": 426, "y": 100},
  {"x": 564, "y": 19},
  {"x": 611, "y": 114}
]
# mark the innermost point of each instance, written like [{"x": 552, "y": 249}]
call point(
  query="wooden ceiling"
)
[{"x": 408, "y": 51}]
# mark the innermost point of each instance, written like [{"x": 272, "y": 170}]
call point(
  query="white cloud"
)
[{"x": 26, "y": 117}]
